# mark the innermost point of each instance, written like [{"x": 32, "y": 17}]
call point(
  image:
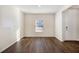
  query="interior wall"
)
[
  {"x": 78, "y": 24},
  {"x": 21, "y": 19},
  {"x": 70, "y": 19},
  {"x": 49, "y": 25},
  {"x": 8, "y": 26},
  {"x": 58, "y": 23}
]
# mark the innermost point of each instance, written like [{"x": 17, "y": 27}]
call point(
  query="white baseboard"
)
[
  {"x": 39, "y": 36},
  {"x": 72, "y": 40},
  {"x": 8, "y": 46},
  {"x": 60, "y": 39}
]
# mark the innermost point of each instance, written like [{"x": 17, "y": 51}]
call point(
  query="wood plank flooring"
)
[{"x": 43, "y": 45}]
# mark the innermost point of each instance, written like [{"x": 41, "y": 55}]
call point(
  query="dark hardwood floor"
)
[{"x": 43, "y": 45}]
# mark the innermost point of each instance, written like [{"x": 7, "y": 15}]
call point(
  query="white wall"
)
[
  {"x": 21, "y": 25},
  {"x": 8, "y": 26},
  {"x": 78, "y": 25},
  {"x": 20, "y": 31},
  {"x": 70, "y": 19},
  {"x": 58, "y": 26},
  {"x": 49, "y": 25},
  {"x": 58, "y": 23}
]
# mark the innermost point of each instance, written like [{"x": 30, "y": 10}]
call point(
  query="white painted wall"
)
[
  {"x": 70, "y": 19},
  {"x": 9, "y": 24},
  {"x": 58, "y": 26},
  {"x": 49, "y": 25},
  {"x": 78, "y": 25},
  {"x": 20, "y": 31},
  {"x": 58, "y": 23},
  {"x": 21, "y": 25}
]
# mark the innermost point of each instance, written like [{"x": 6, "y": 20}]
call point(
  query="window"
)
[{"x": 39, "y": 24}]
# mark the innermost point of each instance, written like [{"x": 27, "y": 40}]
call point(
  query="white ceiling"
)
[{"x": 40, "y": 8}]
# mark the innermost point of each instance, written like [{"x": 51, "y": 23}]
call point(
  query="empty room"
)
[{"x": 39, "y": 28}]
